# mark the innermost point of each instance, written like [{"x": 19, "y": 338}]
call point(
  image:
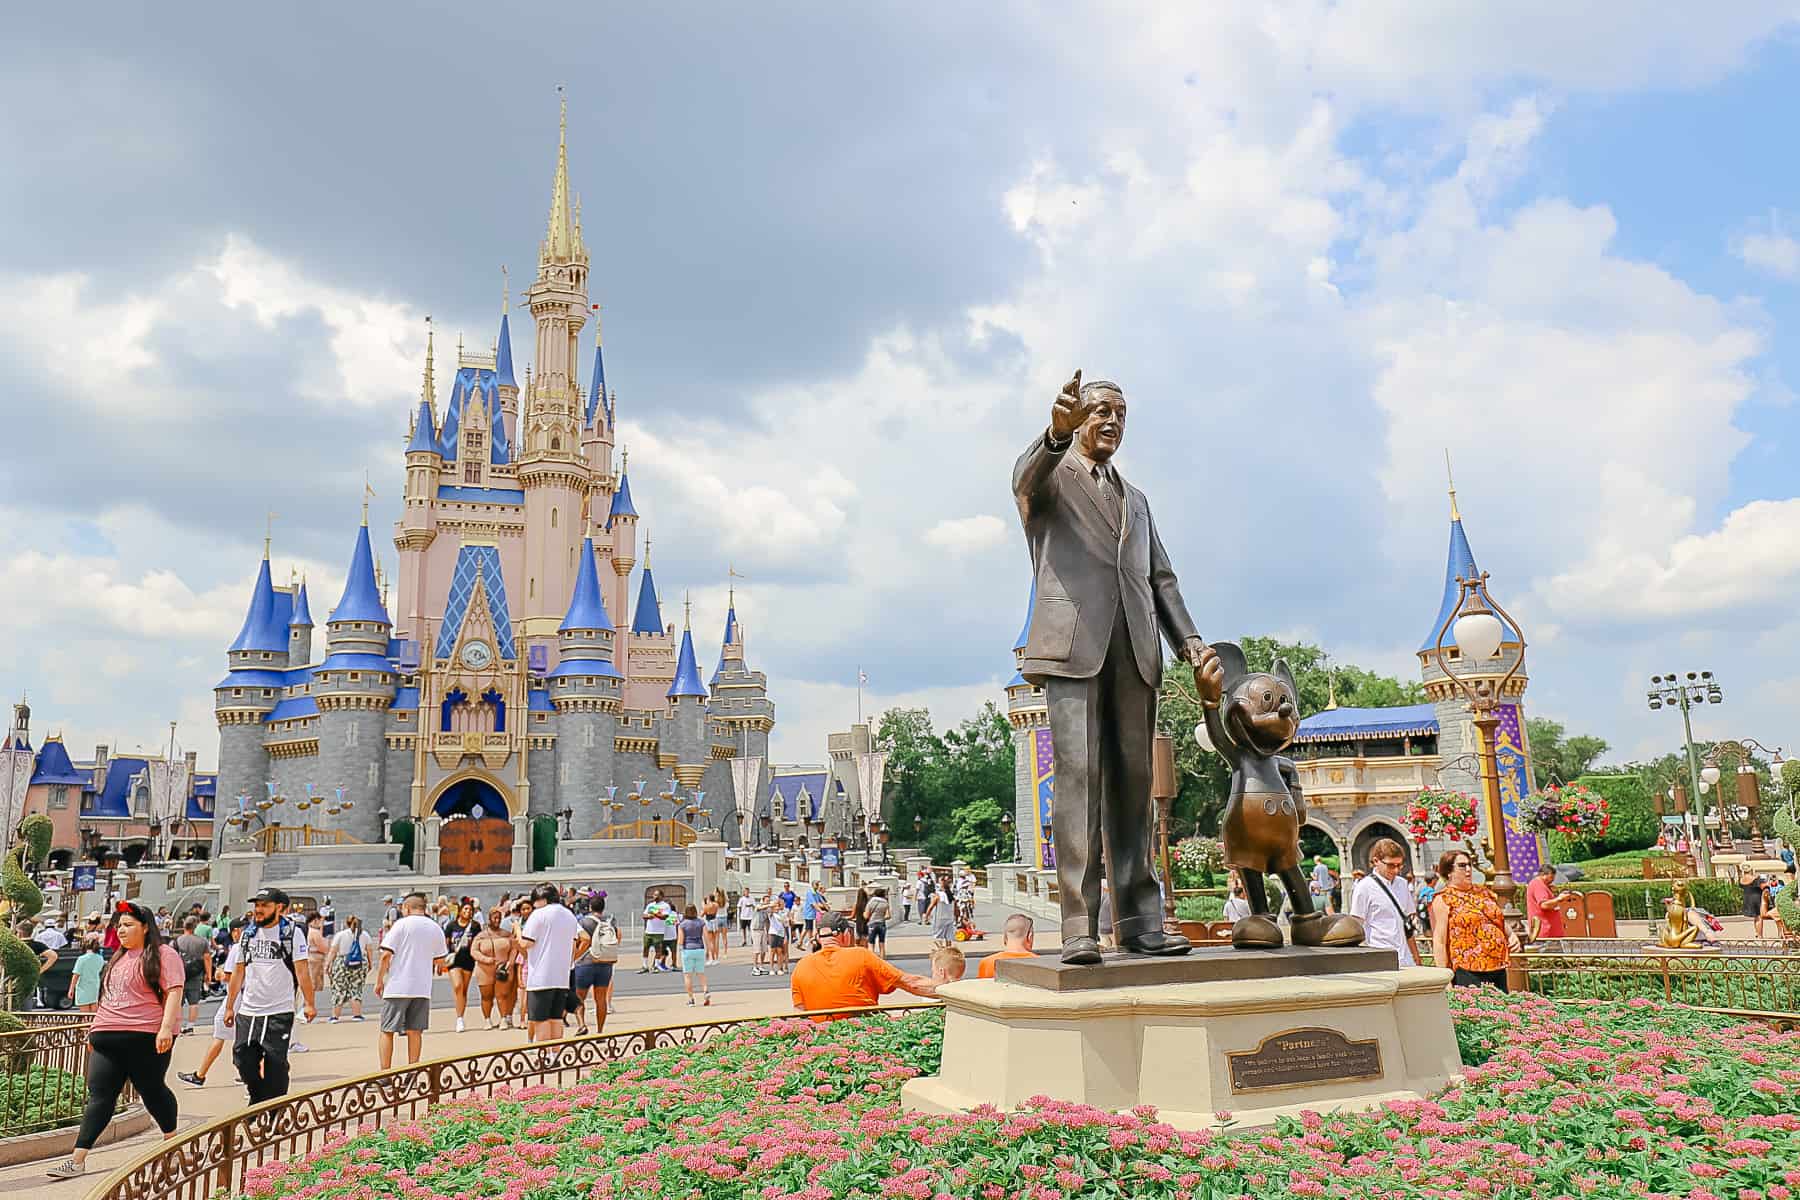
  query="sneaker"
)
[
  {"x": 643, "y": 970},
  {"x": 359, "y": 1017},
  {"x": 298, "y": 1048},
  {"x": 706, "y": 1000},
  {"x": 331, "y": 1020},
  {"x": 690, "y": 1001},
  {"x": 459, "y": 1024},
  {"x": 68, "y": 1168},
  {"x": 191, "y": 1079}
]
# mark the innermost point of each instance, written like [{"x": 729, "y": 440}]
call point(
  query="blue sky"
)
[{"x": 846, "y": 258}]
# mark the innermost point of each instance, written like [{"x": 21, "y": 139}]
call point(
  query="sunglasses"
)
[{"x": 1462, "y": 864}]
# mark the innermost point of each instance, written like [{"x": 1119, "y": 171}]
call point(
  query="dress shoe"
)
[
  {"x": 1256, "y": 932},
  {"x": 1322, "y": 929},
  {"x": 1156, "y": 942},
  {"x": 1081, "y": 951}
]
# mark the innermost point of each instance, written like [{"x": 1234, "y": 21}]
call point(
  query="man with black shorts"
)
[
  {"x": 196, "y": 959},
  {"x": 259, "y": 1007},
  {"x": 412, "y": 951},
  {"x": 552, "y": 939}
]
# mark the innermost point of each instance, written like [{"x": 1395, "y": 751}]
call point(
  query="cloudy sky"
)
[{"x": 848, "y": 254}]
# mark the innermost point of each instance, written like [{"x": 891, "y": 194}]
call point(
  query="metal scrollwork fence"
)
[
  {"x": 43, "y": 1077},
  {"x": 1766, "y": 985},
  {"x": 211, "y": 1161}
]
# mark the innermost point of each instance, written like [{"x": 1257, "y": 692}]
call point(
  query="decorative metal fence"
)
[
  {"x": 43, "y": 1076},
  {"x": 212, "y": 1160},
  {"x": 1765, "y": 985}
]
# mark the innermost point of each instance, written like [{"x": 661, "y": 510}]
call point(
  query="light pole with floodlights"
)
[
  {"x": 1697, "y": 688},
  {"x": 1477, "y": 633}
]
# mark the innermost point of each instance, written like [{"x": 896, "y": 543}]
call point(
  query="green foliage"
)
[
  {"x": 26, "y": 900},
  {"x": 975, "y": 835},
  {"x": 1556, "y": 757},
  {"x": 1204, "y": 778},
  {"x": 1625, "y": 864},
  {"x": 1628, "y": 801},
  {"x": 18, "y": 967},
  {"x": 1197, "y": 861},
  {"x": 1200, "y": 908},
  {"x": 1641, "y": 899},
  {"x": 38, "y": 1098},
  {"x": 1786, "y": 827},
  {"x": 543, "y": 842},
  {"x": 36, "y": 833},
  {"x": 932, "y": 775}
]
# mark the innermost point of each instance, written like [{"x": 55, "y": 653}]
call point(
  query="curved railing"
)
[
  {"x": 45, "y": 1066},
  {"x": 212, "y": 1159},
  {"x": 1765, "y": 985}
]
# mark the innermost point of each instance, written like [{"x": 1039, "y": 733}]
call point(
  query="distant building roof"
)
[
  {"x": 256, "y": 677},
  {"x": 621, "y": 501},
  {"x": 292, "y": 708},
  {"x": 785, "y": 792},
  {"x": 53, "y": 765},
  {"x": 477, "y": 495},
  {"x": 1346, "y": 724}
]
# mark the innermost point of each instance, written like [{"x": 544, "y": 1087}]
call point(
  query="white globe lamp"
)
[{"x": 1478, "y": 635}]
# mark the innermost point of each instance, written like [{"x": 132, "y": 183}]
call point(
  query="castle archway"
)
[
  {"x": 1373, "y": 830},
  {"x": 471, "y": 794}
]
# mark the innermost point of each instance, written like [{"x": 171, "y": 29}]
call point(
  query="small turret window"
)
[{"x": 553, "y": 518}]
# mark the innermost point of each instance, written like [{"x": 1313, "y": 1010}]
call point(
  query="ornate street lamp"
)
[
  {"x": 883, "y": 833},
  {"x": 381, "y": 815},
  {"x": 1006, "y": 830},
  {"x": 566, "y": 815},
  {"x": 1478, "y": 635},
  {"x": 919, "y": 825},
  {"x": 843, "y": 844},
  {"x": 1697, "y": 688}
]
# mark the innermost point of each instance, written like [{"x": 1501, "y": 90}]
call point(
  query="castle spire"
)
[
  {"x": 1454, "y": 515},
  {"x": 687, "y": 671},
  {"x": 1459, "y": 564},
  {"x": 503, "y": 363},
  {"x": 648, "y": 618},
  {"x": 561, "y": 243},
  {"x": 261, "y": 630},
  {"x": 597, "y": 388},
  {"x": 361, "y": 600},
  {"x": 587, "y": 608}
]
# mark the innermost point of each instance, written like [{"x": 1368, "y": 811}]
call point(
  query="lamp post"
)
[
  {"x": 1480, "y": 625},
  {"x": 883, "y": 833},
  {"x": 1012, "y": 839},
  {"x": 843, "y": 844},
  {"x": 1749, "y": 785},
  {"x": 1696, "y": 688},
  {"x": 918, "y": 825}
]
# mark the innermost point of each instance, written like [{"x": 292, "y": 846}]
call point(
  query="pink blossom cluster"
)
[{"x": 1561, "y": 1100}]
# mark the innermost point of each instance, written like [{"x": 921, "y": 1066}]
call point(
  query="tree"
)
[
  {"x": 932, "y": 775},
  {"x": 975, "y": 834},
  {"x": 913, "y": 750},
  {"x": 1560, "y": 759}
]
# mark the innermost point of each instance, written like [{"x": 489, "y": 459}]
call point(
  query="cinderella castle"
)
[{"x": 502, "y": 683}]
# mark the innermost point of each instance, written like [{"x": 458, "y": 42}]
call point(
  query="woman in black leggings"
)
[{"x": 132, "y": 1034}]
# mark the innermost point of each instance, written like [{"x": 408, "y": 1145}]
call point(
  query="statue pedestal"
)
[{"x": 1256, "y": 1034}]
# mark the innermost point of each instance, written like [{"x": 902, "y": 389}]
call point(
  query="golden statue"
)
[{"x": 1678, "y": 933}]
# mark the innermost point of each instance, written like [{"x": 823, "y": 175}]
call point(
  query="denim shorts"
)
[
  {"x": 592, "y": 975},
  {"x": 693, "y": 962}
]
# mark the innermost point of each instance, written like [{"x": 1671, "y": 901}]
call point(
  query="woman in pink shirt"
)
[{"x": 133, "y": 1032}]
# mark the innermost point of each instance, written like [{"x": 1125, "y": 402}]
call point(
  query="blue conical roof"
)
[
  {"x": 262, "y": 631},
  {"x": 1461, "y": 562},
  {"x": 687, "y": 671},
  {"x": 597, "y": 388},
  {"x": 503, "y": 355},
  {"x": 424, "y": 436},
  {"x": 732, "y": 633},
  {"x": 1025, "y": 629},
  {"x": 361, "y": 600},
  {"x": 587, "y": 608},
  {"x": 302, "y": 611},
  {"x": 649, "y": 614},
  {"x": 621, "y": 501}
]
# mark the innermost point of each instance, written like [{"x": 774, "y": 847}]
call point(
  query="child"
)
[
  {"x": 84, "y": 982},
  {"x": 947, "y": 964}
]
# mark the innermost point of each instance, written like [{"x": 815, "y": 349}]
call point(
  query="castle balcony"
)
[
  {"x": 492, "y": 748},
  {"x": 1340, "y": 786}
]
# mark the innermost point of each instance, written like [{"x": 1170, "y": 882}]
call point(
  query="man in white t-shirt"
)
[
  {"x": 746, "y": 908},
  {"x": 553, "y": 939},
  {"x": 259, "y": 1007},
  {"x": 412, "y": 951}
]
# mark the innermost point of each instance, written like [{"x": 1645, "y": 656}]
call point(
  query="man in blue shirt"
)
[
  {"x": 809, "y": 908},
  {"x": 787, "y": 896}
]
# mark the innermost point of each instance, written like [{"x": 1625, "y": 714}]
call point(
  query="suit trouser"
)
[{"x": 1100, "y": 730}]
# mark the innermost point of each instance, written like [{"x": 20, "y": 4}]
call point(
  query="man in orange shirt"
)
[
  {"x": 844, "y": 975},
  {"x": 1016, "y": 938}
]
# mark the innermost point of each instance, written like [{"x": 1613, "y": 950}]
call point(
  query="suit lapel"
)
[{"x": 1084, "y": 481}]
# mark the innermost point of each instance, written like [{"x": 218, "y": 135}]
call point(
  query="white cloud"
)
[
  {"x": 1771, "y": 250},
  {"x": 966, "y": 535}
]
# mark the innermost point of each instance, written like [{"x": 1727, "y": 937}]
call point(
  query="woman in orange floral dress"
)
[{"x": 1468, "y": 927}]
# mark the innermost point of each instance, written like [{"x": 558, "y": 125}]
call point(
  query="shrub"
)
[
  {"x": 1641, "y": 899},
  {"x": 40, "y": 1098},
  {"x": 1200, "y": 908},
  {"x": 1632, "y": 821}
]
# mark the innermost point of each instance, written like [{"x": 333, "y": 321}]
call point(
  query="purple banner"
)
[
  {"x": 1522, "y": 850},
  {"x": 1043, "y": 777}
]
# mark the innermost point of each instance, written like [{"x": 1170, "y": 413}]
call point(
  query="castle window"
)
[
  {"x": 553, "y": 518},
  {"x": 472, "y": 472},
  {"x": 267, "y": 656},
  {"x": 237, "y": 691},
  {"x": 533, "y": 588},
  {"x": 355, "y": 675},
  {"x": 59, "y": 796}
]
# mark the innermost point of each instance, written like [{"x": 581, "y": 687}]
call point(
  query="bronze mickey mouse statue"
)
[{"x": 1251, "y": 717}]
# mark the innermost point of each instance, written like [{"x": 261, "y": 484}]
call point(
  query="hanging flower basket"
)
[
  {"x": 1578, "y": 813},
  {"x": 1441, "y": 814}
]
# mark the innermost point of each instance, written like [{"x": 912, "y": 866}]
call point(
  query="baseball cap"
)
[
  {"x": 274, "y": 894},
  {"x": 836, "y": 923}
]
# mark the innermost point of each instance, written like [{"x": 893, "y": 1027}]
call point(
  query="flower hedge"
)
[{"x": 1561, "y": 1100}]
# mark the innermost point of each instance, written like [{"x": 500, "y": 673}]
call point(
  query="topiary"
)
[
  {"x": 37, "y": 832},
  {"x": 19, "y": 967}
]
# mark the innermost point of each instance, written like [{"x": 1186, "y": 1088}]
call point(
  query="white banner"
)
[
  {"x": 746, "y": 773},
  {"x": 871, "y": 775},
  {"x": 15, "y": 778},
  {"x": 168, "y": 789}
]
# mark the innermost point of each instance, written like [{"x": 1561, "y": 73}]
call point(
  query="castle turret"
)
[
  {"x": 551, "y": 470},
  {"x": 685, "y": 738},
  {"x": 585, "y": 688},
  {"x": 1459, "y": 743},
  {"x": 417, "y": 527},
  {"x": 741, "y": 710},
  {"x": 503, "y": 372},
  {"x": 253, "y": 684},
  {"x": 353, "y": 687},
  {"x": 596, "y": 421},
  {"x": 300, "y": 627},
  {"x": 1029, "y": 715},
  {"x": 621, "y": 526}
]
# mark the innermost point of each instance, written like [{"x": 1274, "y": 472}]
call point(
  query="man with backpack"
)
[{"x": 259, "y": 1007}]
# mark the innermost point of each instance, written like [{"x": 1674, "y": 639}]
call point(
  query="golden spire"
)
[
  {"x": 1454, "y": 515},
  {"x": 505, "y": 291},
  {"x": 428, "y": 389},
  {"x": 687, "y": 610},
  {"x": 1331, "y": 678},
  {"x": 559, "y": 238},
  {"x": 646, "y": 549},
  {"x": 367, "y": 492},
  {"x": 268, "y": 533}
]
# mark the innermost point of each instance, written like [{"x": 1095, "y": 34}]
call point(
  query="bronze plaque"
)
[{"x": 1301, "y": 1056}]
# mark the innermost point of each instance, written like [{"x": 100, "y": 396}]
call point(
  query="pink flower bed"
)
[{"x": 1562, "y": 1100}]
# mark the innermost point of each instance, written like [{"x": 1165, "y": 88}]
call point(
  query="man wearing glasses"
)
[{"x": 1384, "y": 902}]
